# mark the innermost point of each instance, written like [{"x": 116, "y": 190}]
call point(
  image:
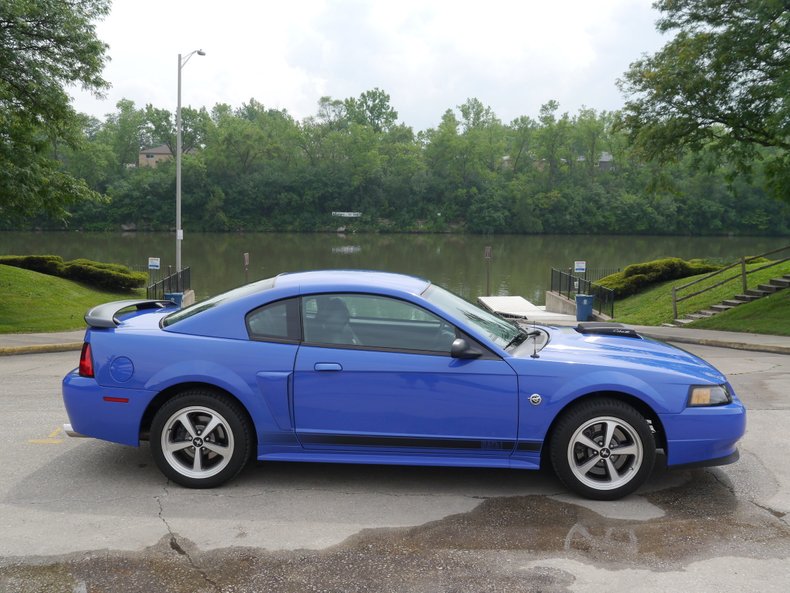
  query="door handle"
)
[{"x": 328, "y": 366}]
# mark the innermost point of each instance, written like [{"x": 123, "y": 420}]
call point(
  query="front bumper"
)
[{"x": 704, "y": 436}]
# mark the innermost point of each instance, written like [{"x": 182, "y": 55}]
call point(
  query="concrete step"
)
[
  {"x": 695, "y": 316},
  {"x": 770, "y": 288},
  {"x": 732, "y": 302},
  {"x": 707, "y": 313},
  {"x": 780, "y": 282},
  {"x": 756, "y": 292},
  {"x": 721, "y": 307},
  {"x": 681, "y": 322},
  {"x": 746, "y": 298}
]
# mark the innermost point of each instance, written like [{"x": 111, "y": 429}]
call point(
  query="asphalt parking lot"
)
[{"x": 78, "y": 515}]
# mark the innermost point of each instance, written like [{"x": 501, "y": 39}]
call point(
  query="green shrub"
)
[
  {"x": 112, "y": 277},
  {"x": 44, "y": 264},
  {"x": 637, "y": 277}
]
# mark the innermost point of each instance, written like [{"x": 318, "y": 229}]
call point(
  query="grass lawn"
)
[
  {"x": 770, "y": 315},
  {"x": 654, "y": 305},
  {"x": 33, "y": 302}
]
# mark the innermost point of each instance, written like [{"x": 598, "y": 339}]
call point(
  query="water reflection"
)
[{"x": 521, "y": 263}]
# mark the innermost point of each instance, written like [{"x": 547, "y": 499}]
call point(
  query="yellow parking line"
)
[{"x": 50, "y": 440}]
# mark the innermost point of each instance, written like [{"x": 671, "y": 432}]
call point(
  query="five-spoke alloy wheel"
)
[
  {"x": 200, "y": 439},
  {"x": 603, "y": 449}
]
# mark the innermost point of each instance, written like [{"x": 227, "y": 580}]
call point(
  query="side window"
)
[
  {"x": 275, "y": 321},
  {"x": 371, "y": 321}
]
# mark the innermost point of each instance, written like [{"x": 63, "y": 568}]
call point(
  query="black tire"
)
[
  {"x": 577, "y": 441},
  {"x": 201, "y": 439}
]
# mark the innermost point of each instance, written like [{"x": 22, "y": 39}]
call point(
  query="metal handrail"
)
[
  {"x": 603, "y": 298},
  {"x": 742, "y": 274},
  {"x": 178, "y": 282}
]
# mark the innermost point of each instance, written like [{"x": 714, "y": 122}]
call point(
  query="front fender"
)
[{"x": 557, "y": 392}]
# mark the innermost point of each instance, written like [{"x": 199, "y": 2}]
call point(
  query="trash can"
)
[
  {"x": 584, "y": 307},
  {"x": 177, "y": 297}
]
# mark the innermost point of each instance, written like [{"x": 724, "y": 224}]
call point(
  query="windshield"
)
[
  {"x": 499, "y": 331},
  {"x": 186, "y": 312}
]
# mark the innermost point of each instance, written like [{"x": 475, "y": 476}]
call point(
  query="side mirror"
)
[{"x": 462, "y": 349}]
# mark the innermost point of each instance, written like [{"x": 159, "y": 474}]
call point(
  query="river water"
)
[{"x": 520, "y": 264}]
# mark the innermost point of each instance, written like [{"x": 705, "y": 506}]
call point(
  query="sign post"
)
[
  {"x": 580, "y": 267},
  {"x": 154, "y": 263},
  {"x": 488, "y": 256}
]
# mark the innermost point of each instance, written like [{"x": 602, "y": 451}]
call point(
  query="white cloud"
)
[{"x": 428, "y": 55}]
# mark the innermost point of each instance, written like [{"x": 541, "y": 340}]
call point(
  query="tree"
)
[
  {"x": 161, "y": 127},
  {"x": 371, "y": 109},
  {"x": 721, "y": 82},
  {"x": 45, "y": 45}
]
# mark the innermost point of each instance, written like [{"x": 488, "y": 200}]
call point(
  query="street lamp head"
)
[{"x": 200, "y": 52}]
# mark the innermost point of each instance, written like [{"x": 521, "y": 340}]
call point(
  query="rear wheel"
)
[
  {"x": 200, "y": 439},
  {"x": 603, "y": 449}
]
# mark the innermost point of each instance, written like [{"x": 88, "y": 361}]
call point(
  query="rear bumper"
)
[
  {"x": 70, "y": 432},
  {"x": 110, "y": 414}
]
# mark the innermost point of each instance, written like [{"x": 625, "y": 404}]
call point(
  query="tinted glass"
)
[
  {"x": 495, "y": 328},
  {"x": 279, "y": 321},
  {"x": 214, "y": 301},
  {"x": 375, "y": 322}
]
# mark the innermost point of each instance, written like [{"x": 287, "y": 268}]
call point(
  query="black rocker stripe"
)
[{"x": 415, "y": 442}]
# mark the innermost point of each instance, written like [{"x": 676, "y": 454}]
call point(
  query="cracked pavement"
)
[{"x": 86, "y": 516}]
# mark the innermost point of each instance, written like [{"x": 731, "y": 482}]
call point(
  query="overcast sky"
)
[{"x": 429, "y": 55}]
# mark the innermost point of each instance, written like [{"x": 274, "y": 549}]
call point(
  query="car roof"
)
[
  {"x": 225, "y": 318},
  {"x": 351, "y": 279}
]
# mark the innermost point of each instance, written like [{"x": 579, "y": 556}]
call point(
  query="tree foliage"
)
[
  {"x": 722, "y": 82},
  {"x": 259, "y": 169},
  {"x": 45, "y": 45}
]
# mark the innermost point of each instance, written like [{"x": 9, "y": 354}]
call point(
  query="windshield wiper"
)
[{"x": 521, "y": 336}]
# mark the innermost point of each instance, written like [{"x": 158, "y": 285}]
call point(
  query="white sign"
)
[
  {"x": 580, "y": 266},
  {"x": 347, "y": 214},
  {"x": 153, "y": 263}
]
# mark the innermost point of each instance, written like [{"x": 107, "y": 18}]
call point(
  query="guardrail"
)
[
  {"x": 178, "y": 282},
  {"x": 744, "y": 273},
  {"x": 593, "y": 274},
  {"x": 569, "y": 286}
]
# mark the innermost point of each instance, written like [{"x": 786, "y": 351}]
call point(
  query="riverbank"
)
[
  {"x": 768, "y": 315},
  {"x": 520, "y": 264}
]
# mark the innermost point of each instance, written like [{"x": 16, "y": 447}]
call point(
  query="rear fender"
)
[{"x": 210, "y": 373}]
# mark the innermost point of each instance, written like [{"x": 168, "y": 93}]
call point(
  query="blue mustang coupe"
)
[{"x": 374, "y": 367}]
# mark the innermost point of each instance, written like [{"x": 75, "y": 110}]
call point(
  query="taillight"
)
[{"x": 86, "y": 361}]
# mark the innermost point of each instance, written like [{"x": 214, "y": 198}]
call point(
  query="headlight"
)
[{"x": 709, "y": 395}]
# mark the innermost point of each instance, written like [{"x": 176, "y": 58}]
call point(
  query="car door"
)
[{"x": 374, "y": 374}]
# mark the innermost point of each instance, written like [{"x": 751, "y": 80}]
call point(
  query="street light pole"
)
[{"x": 179, "y": 230}]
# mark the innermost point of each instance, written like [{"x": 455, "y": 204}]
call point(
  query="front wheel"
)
[
  {"x": 200, "y": 439},
  {"x": 603, "y": 449}
]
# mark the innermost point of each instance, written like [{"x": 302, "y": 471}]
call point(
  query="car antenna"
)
[{"x": 534, "y": 341}]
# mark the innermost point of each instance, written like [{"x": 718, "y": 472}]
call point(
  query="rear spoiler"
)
[
  {"x": 606, "y": 328},
  {"x": 105, "y": 315}
]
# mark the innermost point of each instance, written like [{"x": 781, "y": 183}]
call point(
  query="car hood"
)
[{"x": 625, "y": 353}]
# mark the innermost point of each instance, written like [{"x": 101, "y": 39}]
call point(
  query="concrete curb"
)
[
  {"x": 770, "y": 348},
  {"x": 40, "y": 348}
]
